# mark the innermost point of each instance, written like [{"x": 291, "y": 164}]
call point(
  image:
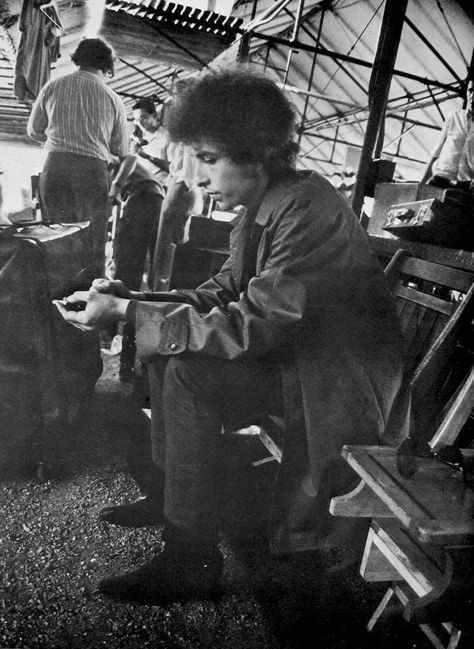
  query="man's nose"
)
[{"x": 200, "y": 177}]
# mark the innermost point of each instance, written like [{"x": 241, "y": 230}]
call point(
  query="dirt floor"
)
[{"x": 53, "y": 550}]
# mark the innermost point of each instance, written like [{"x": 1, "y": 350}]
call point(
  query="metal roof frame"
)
[{"x": 435, "y": 91}]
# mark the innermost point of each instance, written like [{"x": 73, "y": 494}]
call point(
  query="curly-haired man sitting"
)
[{"x": 299, "y": 315}]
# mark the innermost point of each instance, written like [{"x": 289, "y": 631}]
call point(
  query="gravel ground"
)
[{"x": 53, "y": 550}]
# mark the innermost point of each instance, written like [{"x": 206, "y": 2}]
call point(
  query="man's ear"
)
[{"x": 254, "y": 169}]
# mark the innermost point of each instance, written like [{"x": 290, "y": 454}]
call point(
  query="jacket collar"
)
[{"x": 276, "y": 193}]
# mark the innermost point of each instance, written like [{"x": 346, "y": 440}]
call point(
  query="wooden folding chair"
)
[
  {"x": 436, "y": 307},
  {"x": 421, "y": 536}
]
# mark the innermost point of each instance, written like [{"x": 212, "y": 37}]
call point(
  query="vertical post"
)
[
  {"x": 254, "y": 10},
  {"x": 296, "y": 29},
  {"x": 379, "y": 85},
  {"x": 244, "y": 47},
  {"x": 311, "y": 74},
  {"x": 267, "y": 55}
]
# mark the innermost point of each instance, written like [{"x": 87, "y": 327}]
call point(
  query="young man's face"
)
[
  {"x": 228, "y": 183},
  {"x": 147, "y": 121}
]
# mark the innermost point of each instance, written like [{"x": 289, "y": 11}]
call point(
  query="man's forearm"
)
[
  {"x": 37, "y": 124},
  {"x": 126, "y": 168},
  {"x": 162, "y": 164}
]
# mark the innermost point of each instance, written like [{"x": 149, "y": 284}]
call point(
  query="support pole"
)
[
  {"x": 296, "y": 30},
  {"x": 311, "y": 74},
  {"x": 379, "y": 86}
]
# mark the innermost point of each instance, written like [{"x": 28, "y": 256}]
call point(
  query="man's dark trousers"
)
[{"x": 193, "y": 400}]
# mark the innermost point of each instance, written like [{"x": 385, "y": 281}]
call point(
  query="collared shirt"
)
[
  {"x": 466, "y": 159},
  {"x": 156, "y": 145},
  {"x": 78, "y": 113},
  {"x": 455, "y": 148},
  {"x": 182, "y": 163},
  {"x": 183, "y": 170}
]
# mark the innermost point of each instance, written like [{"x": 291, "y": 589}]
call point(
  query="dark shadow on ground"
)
[{"x": 54, "y": 550}]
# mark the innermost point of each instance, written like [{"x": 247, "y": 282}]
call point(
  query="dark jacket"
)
[{"x": 320, "y": 301}]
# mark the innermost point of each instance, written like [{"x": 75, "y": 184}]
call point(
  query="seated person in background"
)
[
  {"x": 452, "y": 162},
  {"x": 142, "y": 194},
  {"x": 82, "y": 124},
  {"x": 300, "y": 316}
]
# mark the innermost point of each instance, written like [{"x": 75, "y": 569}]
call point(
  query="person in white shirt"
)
[
  {"x": 83, "y": 125},
  {"x": 183, "y": 199},
  {"x": 174, "y": 165},
  {"x": 452, "y": 161},
  {"x": 151, "y": 139}
]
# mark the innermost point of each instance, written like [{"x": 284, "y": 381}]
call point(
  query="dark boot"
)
[
  {"x": 145, "y": 512},
  {"x": 175, "y": 575}
]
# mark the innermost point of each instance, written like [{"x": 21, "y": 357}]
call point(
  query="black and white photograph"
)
[{"x": 236, "y": 324}]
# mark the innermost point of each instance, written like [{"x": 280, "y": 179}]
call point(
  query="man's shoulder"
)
[
  {"x": 309, "y": 185},
  {"x": 301, "y": 191},
  {"x": 56, "y": 82},
  {"x": 77, "y": 77},
  {"x": 92, "y": 80}
]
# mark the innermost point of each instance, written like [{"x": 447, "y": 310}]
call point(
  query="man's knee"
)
[{"x": 189, "y": 372}]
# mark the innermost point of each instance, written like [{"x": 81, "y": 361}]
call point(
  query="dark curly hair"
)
[
  {"x": 147, "y": 104},
  {"x": 245, "y": 113},
  {"x": 94, "y": 53}
]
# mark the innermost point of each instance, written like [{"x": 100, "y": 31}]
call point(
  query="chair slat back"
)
[
  {"x": 403, "y": 264},
  {"x": 435, "y": 304}
]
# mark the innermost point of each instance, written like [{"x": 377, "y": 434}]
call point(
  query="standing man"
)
[
  {"x": 452, "y": 161},
  {"x": 183, "y": 197},
  {"x": 142, "y": 194},
  {"x": 82, "y": 124},
  {"x": 151, "y": 147},
  {"x": 299, "y": 317}
]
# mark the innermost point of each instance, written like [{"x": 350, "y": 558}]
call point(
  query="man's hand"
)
[
  {"x": 114, "y": 193},
  {"x": 115, "y": 287},
  {"x": 100, "y": 309}
]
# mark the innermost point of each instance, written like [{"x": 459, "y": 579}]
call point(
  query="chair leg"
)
[{"x": 381, "y": 609}]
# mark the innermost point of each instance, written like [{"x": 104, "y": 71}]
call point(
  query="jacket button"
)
[{"x": 173, "y": 346}]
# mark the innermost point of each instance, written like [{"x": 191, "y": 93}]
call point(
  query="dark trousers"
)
[
  {"x": 75, "y": 188},
  {"x": 135, "y": 238},
  {"x": 175, "y": 211},
  {"x": 194, "y": 400},
  {"x": 135, "y": 235}
]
